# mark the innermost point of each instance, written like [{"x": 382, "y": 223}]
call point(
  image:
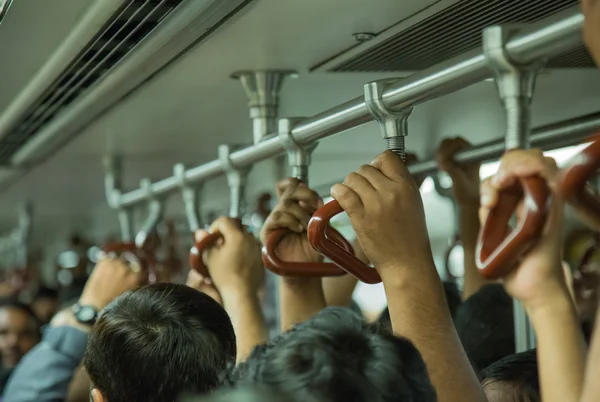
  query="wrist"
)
[
  {"x": 549, "y": 303},
  {"x": 404, "y": 274},
  {"x": 92, "y": 301}
]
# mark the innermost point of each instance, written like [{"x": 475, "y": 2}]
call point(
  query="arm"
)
[
  {"x": 339, "y": 290},
  {"x": 465, "y": 190},
  {"x": 539, "y": 283},
  {"x": 591, "y": 388},
  {"x": 382, "y": 201},
  {"x": 237, "y": 273},
  {"x": 300, "y": 298}
]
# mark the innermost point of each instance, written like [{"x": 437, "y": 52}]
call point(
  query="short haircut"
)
[
  {"x": 336, "y": 356},
  {"x": 11, "y": 303},
  {"x": 485, "y": 325},
  {"x": 518, "y": 373},
  {"x": 153, "y": 343}
]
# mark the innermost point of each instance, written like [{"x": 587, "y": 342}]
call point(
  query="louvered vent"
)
[
  {"x": 128, "y": 27},
  {"x": 455, "y": 30}
]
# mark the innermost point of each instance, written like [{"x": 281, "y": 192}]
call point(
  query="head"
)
[
  {"x": 336, "y": 356},
  {"x": 155, "y": 342},
  {"x": 240, "y": 395},
  {"x": 45, "y": 303},
  {"x": 512, "y": 379},
  {"x": 484, "y": 323},
  {"x": 19, "y": 332}
]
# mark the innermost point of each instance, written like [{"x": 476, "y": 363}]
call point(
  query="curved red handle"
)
[
  {"x": 497, "y": 252},
  {"x": 146, "y": 258},
  {"x": 302, "y": 269},
  {"x": 197, "y": 251},
  {"x": 196, "y": 260},
  {"x": 574, "y": 177},
  {"x": 318, "y": 237}
]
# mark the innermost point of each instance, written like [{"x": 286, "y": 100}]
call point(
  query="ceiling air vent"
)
[
  {"x": 99, "y": 64},
  {"x": 450, "y": 32}
]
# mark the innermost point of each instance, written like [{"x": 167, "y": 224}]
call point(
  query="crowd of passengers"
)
[{"x": 126, "y": 341}]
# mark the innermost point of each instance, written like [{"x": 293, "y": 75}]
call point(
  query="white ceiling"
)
[{"x": 186, "y": 111}]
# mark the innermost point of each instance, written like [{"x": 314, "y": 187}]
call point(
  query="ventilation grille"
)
[
  {"x": 455, "y": 30},
  {"x": 128, "y": 27}
]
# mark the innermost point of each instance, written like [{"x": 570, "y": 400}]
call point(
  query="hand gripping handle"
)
[
  {"x": 574, "y": 177},
  {"x": 319, "y": 238},
  {"x": 302, "y": 269},
  {"x": 497, "y": 252},
  {"x": 145, "y": 258},
  {"x": 200, "y": 246}
]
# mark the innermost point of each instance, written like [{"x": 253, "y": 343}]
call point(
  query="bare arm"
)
[
  {"x": 383, "y": 201},
  {"x": 591, "y": 388},
  {"x": 339, "y": 290},
  {"x": 300, "y": 299}
]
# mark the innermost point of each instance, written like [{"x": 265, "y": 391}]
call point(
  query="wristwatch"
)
[{"x": 86, "y": 315}]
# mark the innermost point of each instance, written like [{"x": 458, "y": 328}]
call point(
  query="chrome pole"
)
[{"x": 548, "y": 37}]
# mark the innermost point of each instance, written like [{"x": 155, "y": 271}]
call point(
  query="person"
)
[
  {"x": 19, "y": 333},
  {"x": 513, "y": 378},
  {"x": 45, "y": 372},
  {"x": 45, "y": 304},
  {"x": 465, "y": 191},
  {"x": 485, "y": 325},
  {"x": 337, "y": 356},
  {"x": 539, "y": 283},
  {"x": 155, "y": 342},
  {"x": 382, "y": 200}
]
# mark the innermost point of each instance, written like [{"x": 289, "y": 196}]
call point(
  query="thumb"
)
[
  {"x": 225, "y": 226},
  {"x": 200, "y": 234}
]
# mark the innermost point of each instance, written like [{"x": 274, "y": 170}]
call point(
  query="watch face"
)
[{"x": 86, "y": 314}]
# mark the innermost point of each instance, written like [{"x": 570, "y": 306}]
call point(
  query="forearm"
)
[
  {"x": 338, "y": 290},
  {"x": 418, "y": 311},
  {"x": 469, "y": 231},
  {"x": 300, "y": 299},
  {"x": 248, "y": 321},
  {"x": 560, "y": 347},
  {"x": 591, "y": 388}
]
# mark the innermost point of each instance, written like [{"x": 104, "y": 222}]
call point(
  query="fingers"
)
[
  {"x": 226, "y": 226},
  {"x": 524, "y": 163},
  {"x": 391, "y": 166},
  {"x": 200, "y": 234},
  {"x": 489, "y": 199},
  {"x": 347, "y": 198},
  {"x": 446, "y": 151}
]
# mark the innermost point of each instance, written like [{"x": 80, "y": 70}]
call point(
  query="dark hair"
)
[
  {"x": 46, "y": 293},
  {"x": 519, "y": 372},
  {"x": 153, "y": 343},
  {"x": 484, "y": 323},
  {"x": 337, "y": 356},
  {"x": 12, "y": 303},
  {"x": 453, "y": 300}
]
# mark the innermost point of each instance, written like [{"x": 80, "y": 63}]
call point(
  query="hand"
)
[
  {"x": 540, "y": 272},
  {"x": 591, "y": 27},
  {"x": 110, "y": 278},
  {"x": 297, "y": 203},
  {"x": 386, "y": 212},
  {"x": 465, "y": 178},
  {"x": 234, "y": 263},
  {"x": 197, "y": 281}
]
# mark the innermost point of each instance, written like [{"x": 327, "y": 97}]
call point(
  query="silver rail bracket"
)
[
  {"x": 393, "y": 123},
  {"x": 298, "y": 156},
  {"x": 190, "y": 196},
  {"x": 155, "y": 214},
  {"x": 262, "y": 88},
  {"x": 236, "y": 180},
  {"x": 515, "y": 82}
]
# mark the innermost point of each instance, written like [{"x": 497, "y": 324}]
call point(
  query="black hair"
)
[
  {"x": 46, "y": 293},
  {"x": 453, "y": 300},
  {"x": 336, "y": 356},
  {"x": 518, "y": 373},
  {"x": 155, "y": 342},
  {"x": 484, "y": 323},
  {"x": 11, "y": 303}
]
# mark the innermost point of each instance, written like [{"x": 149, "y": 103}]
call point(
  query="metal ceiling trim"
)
[
  {"x": 388, "y": 33},
  {"x": 192, "y": 21}
]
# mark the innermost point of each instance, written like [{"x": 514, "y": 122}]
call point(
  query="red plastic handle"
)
[
  {"x": 146, "y": 258},
  {"x": 574, "y": 177},
  {"x": 197, "y": 251},
  {"x": 497, "y": 252},
  {"x": 302, "y": 269},
  {"x": 318, "y": 236}
]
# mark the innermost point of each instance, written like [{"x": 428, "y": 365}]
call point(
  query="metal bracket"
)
[
  {"x": 393, "y": 123},
  {"x": 236, "y": 180},
  {"x": 298, "y": 155},
  {"x": 190, "y": 197},
  {"x": 155, "y": 213},
  {"x": 515, "y": 82}
]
